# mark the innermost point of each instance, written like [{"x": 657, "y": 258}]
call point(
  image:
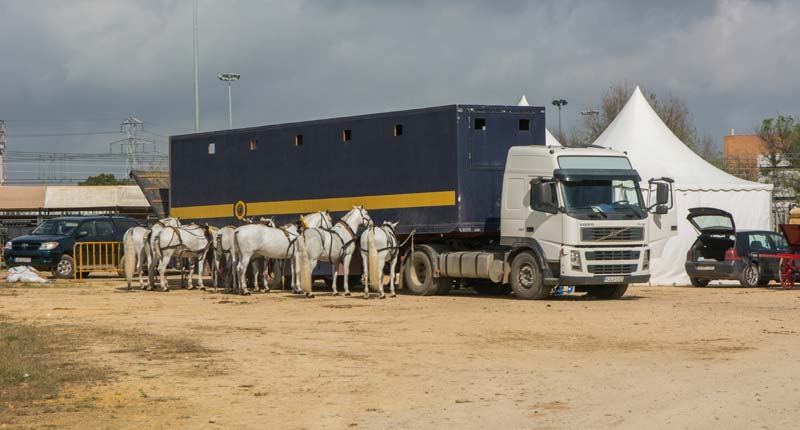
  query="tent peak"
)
[{"x": 523, "y": 101}]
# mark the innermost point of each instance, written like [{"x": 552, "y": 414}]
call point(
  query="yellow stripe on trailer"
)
[{"x": 385, "y": 201}]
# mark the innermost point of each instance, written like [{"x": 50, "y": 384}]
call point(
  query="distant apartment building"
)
[{"x": 742, "y": 152}]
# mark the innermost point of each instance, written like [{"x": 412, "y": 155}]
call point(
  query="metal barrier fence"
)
[{"x": 96, "y": 257}]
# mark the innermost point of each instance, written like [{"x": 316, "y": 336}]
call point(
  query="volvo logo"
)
[{"x": 24, "y": 245}]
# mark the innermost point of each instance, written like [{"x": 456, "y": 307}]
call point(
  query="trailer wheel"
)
[
  {"x": 526, "y": 278},
  {"x": 418, "y": 276},
  {"x": 608, "y": 292}
]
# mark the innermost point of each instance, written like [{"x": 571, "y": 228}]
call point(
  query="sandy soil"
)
[{"x": 663, "y": 357}]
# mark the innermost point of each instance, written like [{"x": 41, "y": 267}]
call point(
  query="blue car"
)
[{"x": 49, "y": 247}]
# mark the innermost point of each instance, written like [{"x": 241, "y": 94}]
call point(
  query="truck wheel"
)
[
  {"x": 526, "y": 278},
  {"x": 608, "y": 292},
  {"x": 491, "y": 289},
  {"x": 65, "y": 269},
  {"x": 696, "y": 282},
  {"x": 418, "y": 276}
]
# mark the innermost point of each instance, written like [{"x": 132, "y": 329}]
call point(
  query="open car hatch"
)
[{"x": 711, "y": 221}]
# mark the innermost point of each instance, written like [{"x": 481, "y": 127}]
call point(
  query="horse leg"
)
[
  {"x": 346, "y": 262},
  {"x": 365, "y": 274},
  {"x": 140, "y": 262},
  {"x": 162, "y": 268},
  {"x": 335, "y": 273},
  {"x": 244, "y": 263},
  {"x": 265, "y": 274},
  {"x": 296, "y": 275},
  {"x": 392, "y": 269},
  {"x": 200, "y": 261}
]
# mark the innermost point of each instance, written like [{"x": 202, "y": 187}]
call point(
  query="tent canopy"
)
[
  {"x": 549, "y": 139},
  {"x": 657, "y": 152}
]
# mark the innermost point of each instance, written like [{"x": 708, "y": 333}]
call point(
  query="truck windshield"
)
[
  {"x": 55, "y": 228},
  {"x": 603, "y": 198}
]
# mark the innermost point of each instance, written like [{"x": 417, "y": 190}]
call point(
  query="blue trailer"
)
[{"x": 438, "y": 170}]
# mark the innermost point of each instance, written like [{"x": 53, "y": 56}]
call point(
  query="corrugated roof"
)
[
  {"x": 103, "y": 196},
  {"x": 13, "y": 198},
  {"x": 155, "y": 186}
]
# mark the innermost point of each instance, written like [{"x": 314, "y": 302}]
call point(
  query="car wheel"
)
[
  {"x": 696, "y": 282},
  {"x": 526, "y": 278},
  {"x": 751, "y": 276},
  {"x": 65, "y": 268}
]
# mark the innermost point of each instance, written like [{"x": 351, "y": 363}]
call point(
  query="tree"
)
[
  {"x": 781, "y": 138},
  {"x": 104, "y": 179}
]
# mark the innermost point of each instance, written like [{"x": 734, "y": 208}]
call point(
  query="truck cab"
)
[{"x": 577, "y": 217}]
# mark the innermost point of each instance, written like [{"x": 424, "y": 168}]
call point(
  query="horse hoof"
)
[
  {"x": 335, "y": 294},
  {"x": 310, "y": 295},
  {"x": 366, "y": 296},
  {"x": 245, "y": 293},
  {"x": 347, "y": 294},
  {"x": 165, "y": 290},
  {"x": 202, "y": 288},
  {"x": 382, "y": 297},
  {"x": 393, "y": 295}
]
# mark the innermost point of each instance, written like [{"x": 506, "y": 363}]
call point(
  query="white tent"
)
[
  {"x": 656, "y": 152},
  {"x": 549, "y": 139},
  {"x": 523, "y": 101}
]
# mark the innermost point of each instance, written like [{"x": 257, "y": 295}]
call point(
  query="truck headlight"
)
[
  {"x": 48, "y": 245},
  {"x": 646, "y": 261},
  {"x": 575, "y": 259},
  {"x": 8, "y": 245}
]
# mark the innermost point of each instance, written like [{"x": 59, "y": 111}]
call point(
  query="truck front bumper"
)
[
  {"x": 603, "y": 266},
  {"x": 600, "y": 280}
]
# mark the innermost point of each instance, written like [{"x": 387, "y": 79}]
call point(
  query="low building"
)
[
  {"x": 24, "y": 207},
  {"x": 742, "y": 153}
]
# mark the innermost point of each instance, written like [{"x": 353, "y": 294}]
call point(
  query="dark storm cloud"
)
[{"x": 732, "y": 61}]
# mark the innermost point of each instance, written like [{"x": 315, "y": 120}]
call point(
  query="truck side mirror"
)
[
  {"x": 662, "y": 194},
  {"x": 661, "y": 210},
  {"x": 542, "y": 197}
]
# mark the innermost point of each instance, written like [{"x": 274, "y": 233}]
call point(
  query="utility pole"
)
[
  {"x": 2, "y": 152},
  {"x": 132, "y": 146},
  {"x": 560, "y": 103},
  {"x": 196, "y": 84}
]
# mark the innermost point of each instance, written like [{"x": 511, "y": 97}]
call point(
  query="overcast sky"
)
[{"x": 83, "y": 66}]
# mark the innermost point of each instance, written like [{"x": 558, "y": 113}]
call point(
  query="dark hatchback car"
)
[
  {"x": 50, "y": 245},
  {"x": 722, "y": 253}
]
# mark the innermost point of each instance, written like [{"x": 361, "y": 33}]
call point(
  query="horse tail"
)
[
  {"x": 129, "y": 262},
  {"x": 375, "y": 273},
  {"x": 305, "y": 266}
]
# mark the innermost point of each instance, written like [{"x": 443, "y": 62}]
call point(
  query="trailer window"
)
[
  {"x": 212, "y": 149},
  {"x": 253, "y": 144},
  {"x": 398, "y": 130},
  {"x": 480, "y": 123},
  {"x": 524, "y": 125},
  {"x": 298, "y": 140},
  {"x": 346, "y": 135}
]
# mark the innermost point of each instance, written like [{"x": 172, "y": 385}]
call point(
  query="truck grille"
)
[
  {"x": 612, "y": 234},
  {"x": 611, "y": 269},
  {"x": 612, "y": 255}
]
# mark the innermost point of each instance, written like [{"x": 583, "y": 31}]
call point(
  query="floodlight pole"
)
[
  {"x": 196, "y": 84},
  {"x": 559, "y": 103},
  {"x": 229, "y": 78}
]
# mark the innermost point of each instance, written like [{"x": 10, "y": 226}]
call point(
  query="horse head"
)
[{"x": 269, "y": 222}]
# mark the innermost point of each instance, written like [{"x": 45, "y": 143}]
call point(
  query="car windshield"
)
[
  {"x": 603, "y": 198},
  {"x": 55, "y": 228}
]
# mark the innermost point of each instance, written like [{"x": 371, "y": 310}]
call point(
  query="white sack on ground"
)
[{"x": 25, "y": 274}]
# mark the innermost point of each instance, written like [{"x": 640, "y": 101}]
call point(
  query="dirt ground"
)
[{"x": 662, "y": 357}]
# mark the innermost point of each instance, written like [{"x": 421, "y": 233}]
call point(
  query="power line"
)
[{"x": 89, "y": 133}]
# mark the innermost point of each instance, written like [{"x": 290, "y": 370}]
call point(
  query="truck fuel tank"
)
[{"x": 472, "y": 264}]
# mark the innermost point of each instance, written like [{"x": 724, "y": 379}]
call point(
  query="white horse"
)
[
  {"x": 134, "y": 242},
  {"x": 255, "y": 240},
  {"x": 191, "y": 241},
  {"x": 379, "y": 245},
  {"x": 223, "y": 246},
  {"x": 335, "y": 245},
  {"x": 150, "y": 249}
]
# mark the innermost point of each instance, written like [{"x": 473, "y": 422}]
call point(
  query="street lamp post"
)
[
  {"x": 559, "y": 103},
  {"x": 229, "y": 78}
]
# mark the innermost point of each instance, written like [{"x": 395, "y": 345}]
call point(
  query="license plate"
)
[
  {"x": 610, "y": 279},
  {"x": 705, "y": 267},
  {"x": 22, "y": 259}
]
